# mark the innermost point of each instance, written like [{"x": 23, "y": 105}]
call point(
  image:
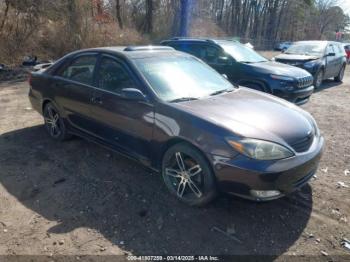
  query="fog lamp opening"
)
[{"x": 265, "y": 193}]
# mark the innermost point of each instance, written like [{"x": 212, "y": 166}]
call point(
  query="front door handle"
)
[{"x": 96, "y": 100}]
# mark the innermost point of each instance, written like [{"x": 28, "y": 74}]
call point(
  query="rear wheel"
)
[
  {"x": 340, "y": 76},
  {"x": 54, "y": 124},
  {"x": 318, "y": 79},
  {"x": 188, "y": 176}
]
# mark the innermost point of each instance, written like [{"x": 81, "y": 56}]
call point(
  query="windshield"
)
[
  {"x": 177, "y": 77},
  {"x": 242, "y": 53},
  {"x": 307, "y": 49}
]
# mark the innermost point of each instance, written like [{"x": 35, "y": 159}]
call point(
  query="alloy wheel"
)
[
  {"x": 184, "y": 175},
  {"x": 52, "y": 122},
  {"x": 319, "y": 79}
]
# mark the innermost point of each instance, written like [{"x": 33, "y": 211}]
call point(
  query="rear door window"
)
[
  {"x": 196, "y": 50},
  {"x": 204, "y": 52},
  {"x": 175, "y": 46},
  {"x": 80, "y": 70}
]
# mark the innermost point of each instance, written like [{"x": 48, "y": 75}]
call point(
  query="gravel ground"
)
[{"x": 76, "y": 198}]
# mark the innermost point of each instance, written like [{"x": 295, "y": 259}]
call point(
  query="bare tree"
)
[
  {"x": 148, "y": 26},
  {"x": 7, "y": 6},
  {"x": 118, "y": 13}
]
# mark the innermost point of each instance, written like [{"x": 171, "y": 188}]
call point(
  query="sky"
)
[{"x": 345, "y": 4}]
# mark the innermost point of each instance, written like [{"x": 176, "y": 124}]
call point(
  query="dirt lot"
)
[{"x": 78, "y": 198}]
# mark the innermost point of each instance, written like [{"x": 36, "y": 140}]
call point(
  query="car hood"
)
[
  {"x": 280, "y": 69},
  {"x": 291, "y": 57},
  {"x": 253, "y": 114}
]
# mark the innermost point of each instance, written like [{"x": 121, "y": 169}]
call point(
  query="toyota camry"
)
[{"x": 178, "y": 116}]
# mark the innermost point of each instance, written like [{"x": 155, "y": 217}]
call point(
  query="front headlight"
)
[
  {"x": 260, "y": 149},
  {"x": 311, "y": 64},
  {"x": 283, "y": 78}
]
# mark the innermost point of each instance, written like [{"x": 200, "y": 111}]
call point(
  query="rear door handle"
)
[{"x": 96, "y": 100}]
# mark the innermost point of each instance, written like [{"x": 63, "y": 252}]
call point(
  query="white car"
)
[{"x": 282, "y": 46}]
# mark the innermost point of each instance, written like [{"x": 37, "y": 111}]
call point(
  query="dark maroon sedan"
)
[{"x": 178, "y": 116}]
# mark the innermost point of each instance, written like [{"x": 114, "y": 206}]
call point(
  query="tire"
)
[
  {"x": 256, "y": 87},
  {"x": 340, "y": 76},
  {"x": 318, "y": 79},
  {"x": 54, "y": 124},
  {"x": 188, "y": 175}
]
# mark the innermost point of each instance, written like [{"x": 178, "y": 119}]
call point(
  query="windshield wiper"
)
[
  {"x": 227, "y": 90},
  {"x": 246, "y": 62},
  {"x": 182, "y": 99}
]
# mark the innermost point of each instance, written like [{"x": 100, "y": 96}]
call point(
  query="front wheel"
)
[
  {"x": 188, "y": 176},
  {"x": 318, "y": 79},
  {"x": 340, "y": 76}
]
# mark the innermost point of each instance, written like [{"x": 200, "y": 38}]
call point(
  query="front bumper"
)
[
  {"x": 241, "y": 175},
  {"x": 297, "y": 96}
]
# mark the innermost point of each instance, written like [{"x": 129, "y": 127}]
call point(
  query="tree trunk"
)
[
  {"x": 148, "y": 28},
  {"x": 7, "y": 3},
  {"x": 118, "y": 11},
  {"x": 185, "y": 16}
]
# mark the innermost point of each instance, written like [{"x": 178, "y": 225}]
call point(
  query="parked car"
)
[
  {"x": 30, "y": 61},
  {"x": 41, "y": 66},
  {"x": 347, "y": 51},
  {"x": 282, "y": 46},
  {"x": 244, "y": 66},
  {"x": 178, "y": 116},
  {"x": 323, "y": 59}
]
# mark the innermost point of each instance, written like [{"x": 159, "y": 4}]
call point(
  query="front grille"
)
[
  {"x": 303, "y": 144},
  {"x": 305, "y": 82}
]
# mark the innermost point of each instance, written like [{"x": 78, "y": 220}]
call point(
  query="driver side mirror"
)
[{"x": 133, "y": 94}]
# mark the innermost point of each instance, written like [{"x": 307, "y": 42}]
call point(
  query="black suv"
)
[
  {"x": 243, "y": 66},
  {"x": 323, "y": 59}
]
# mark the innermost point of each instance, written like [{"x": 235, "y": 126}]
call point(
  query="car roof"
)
[
  {"x": 316, "y": 42},
  {"x": 217, "y": 41},
  {"x": 134, "y": 52}
]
